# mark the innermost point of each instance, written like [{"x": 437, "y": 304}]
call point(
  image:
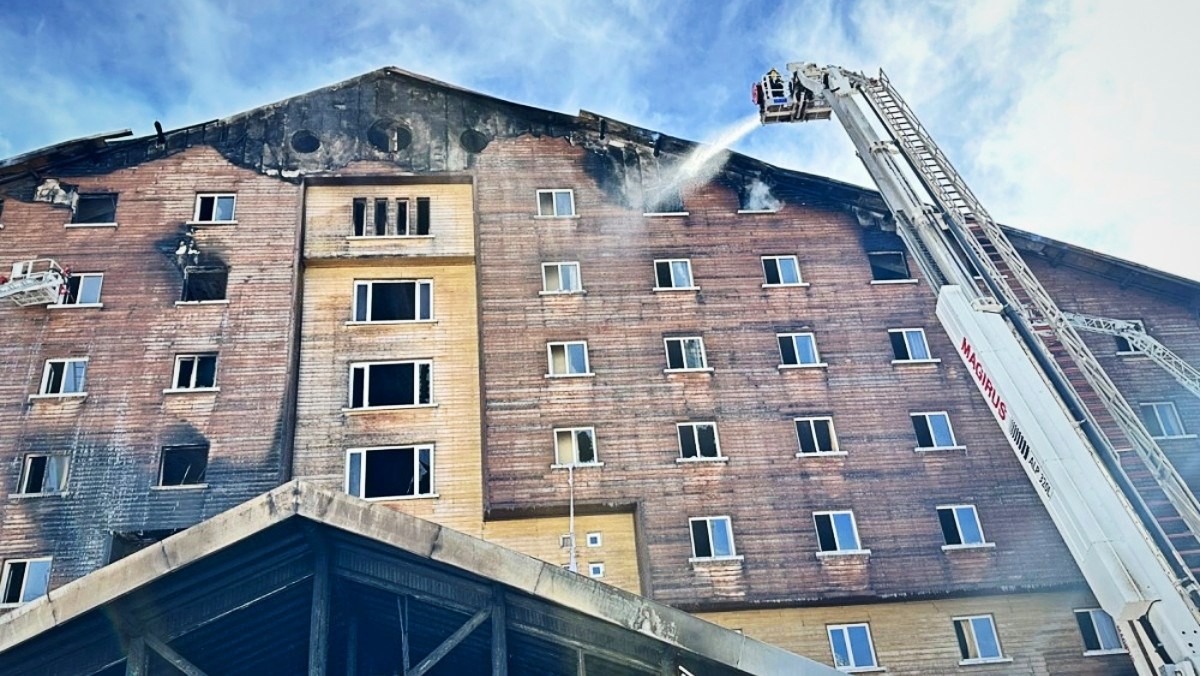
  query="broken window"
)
[
  {"x": 423, "y": 216},
  {"x": 204, "y": 283},
  {"x": 125, "y": 543},
  {"x": 215, "y": 208},
  {"x": 561, "y": 278},
  {"x": 685, "y": 354},
  {"x": 63, "y": 376},
  {"x": 95, "y": 208},
  {"x": 568, "y": 359},
  {"x": 379, "y": 384},
  {"x": 393, "y": 301},
  {"x": 83, "y": 289},
  {"x": 575, "y": 446},
  {"x": 712, "y": 538},
  {"x": 698, "y": 441},
  {"x": 1162, "y": 420},
  {"x": 933, "y": 430},
  {"x": 373, "y": 217},
  {"x": 816, "y": 436},
  {"x": 183, "y": 465},
  {"x": 24, "y": 580},
  {"x": 381, "y": 473},
  {"x": 664, "y": 200},
  {"x": 1123, "y": 344},
  {"x": 195, "y": 371},
  {"x": 909, "y": 344},
  {"x": 836, "y": 531},
  {"x": 43, "y": 474},
  {"x": 888, "y": 266},
  {"x": 960, "y": 525},
  {"x": 798, "y": 349},
  {"x": 673, "y": 274},
  {"x": 556, "y": 203},
  {"x": 781, "y": 270}
]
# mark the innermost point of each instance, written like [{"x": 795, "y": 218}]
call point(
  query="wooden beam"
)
[
  {"x": 451, "y": 642},
  {"x": 173, "y": 657},
  {"x": 135, "y": 659},
  {"x": 499, "y": 634},
  {"x": 318, "y": 628}
]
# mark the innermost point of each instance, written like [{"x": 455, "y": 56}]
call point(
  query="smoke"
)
[
  {"x": 700, "y": 165},
  {"x": 760, "y": 198}
]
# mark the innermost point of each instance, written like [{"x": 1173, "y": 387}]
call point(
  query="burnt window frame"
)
[
  {"x": 189, "y": 271},
  {"x": 27, "y": 466},
  {"x": 422, "y": 301},
  {"x": 65, "y": 299},
  {"x": 216, "y": 198},
  {"x": 875, "y": 272},
  {"x": 193, "y": 376},
  {"x": 693, "y": 429},
  {"x": 363, "y": 467},
  {"x": 22, "y": 596},
  {"x": 366, "y": 367},
  {"x": 200, "y": 481},
  {"x": 75, "y": 218}
]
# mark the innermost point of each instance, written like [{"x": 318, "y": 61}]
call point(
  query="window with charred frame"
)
[
  {"x": 183, "y": 465},
  {"x": 95, "y": 208},
  {"x": 888, "y": 266},
  {"x": 204, "y": 283},
  {"x": 383, "y": 473},
  {"x": 376, "y": 217},
  {"x": 43, "y": 474},
  {"x": 698, "y": 441},
  {"x": 401, "y": 300},
  {"x": 380, "y": 384}
]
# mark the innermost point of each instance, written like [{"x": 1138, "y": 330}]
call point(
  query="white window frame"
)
[
  {"x": 837, "y": 448},
  {"x": 419, "y": 305},
  {"x": 995, "y": 634},
  {"x": 556, "y": 193},
  {"x": 547, "y": 291},
  {"x": 65, "y": 474},
  {"x": 840, "y": 551},
  {"x": 6, "y": 573},
  {"x": 779, "y": 337},
  {"x": 1154, "y": 406},
  {"x": 693, "y": 428},
  {"x": 596, "y": 569},
  {"x": 776, "y": 259},
  {"x": 362, "y": 471},
  {"x": 709, "y": 521},
  {"x": 66, "y": 361},
  {"x": 954, "y": 511},
  {"x": 691, "y": 273},
  {"x": 64, "y": 303},
  {"x": 216, "y": 197},
  {"x": 682, "y": 340},
  {"x": 852, "y": 667},
  {"x": 565, "y": 346},
  {"x": 908, "y": 346},
  {"x": 954, "y": 445},
  {"x": 574, "y": 431},
  {"x": 595, "y": 539},
  {"x": 366, "y": 365},
  {"x": 1091, "y": 615},
  {"x": 191, "y": 386}
]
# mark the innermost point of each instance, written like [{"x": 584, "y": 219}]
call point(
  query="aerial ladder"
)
[
  {"x": 40, "y": 281},
  {"x": 1128, "y": 518}
]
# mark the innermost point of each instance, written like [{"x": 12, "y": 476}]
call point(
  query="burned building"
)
[{"x": 729, "y": 396}]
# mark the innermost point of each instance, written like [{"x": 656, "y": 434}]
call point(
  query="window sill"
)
[
  {"x": 28, "y": 496},
  {"x": 560, "y": 376},
  {"x": 89, "y": 225},
  {"x": 959, "y": 548},
  {"x": 1101, "y": 653},
  {"x": 1174, "y": 436},
  {"x": 757, "y": 211},
  {"x": 568, "y": 217},
  {"x": 818, "y": 365},
  {"x": 785, "y": 286},
  {"x": 381, "y": 409},
  {"x": 862, "y": 670},
  {"x": 369, "y": 238},
  {"x": 716, "y": 559},
  {"x": 74, "y": 306},
  {"x": 935, "y": 449},
  {"x": 826, "y": 454},
  {"x": 223, "y": 301},
  {"x": 181, "y": 487},
  {"x": 667, "y": 289},
  {"x": 706, "y": 369},
  {"x": 662, "y": 214},
  {"x": 1131, "y": 353},
  {"x": 68, "y": 395},
  {"x": 580, "y": 292},
  {"x": 845, "y": 553},
  {"x": 392, "y": 498},
  {"x": 192, "y": 224},
  {"x": 915, "y": 362},
  {"x": 392, "y": 322},
  {"x": 885, "y": 282},
  {"x": 688, "y": 461},
  {"x": 577, "y": 465},
  {"x": 191, "y": 390},
  {"x": 989, "y": 660}
]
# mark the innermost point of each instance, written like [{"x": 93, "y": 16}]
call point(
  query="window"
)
[
  {"x": 977, "y": 640},
  {"x": 852, "y": 647},
  {"x": 1123, "y": 345},
  {"x": 712, "y": 538},
  {"x": 561, "y": 278},
  {"x": 664, "y": 200},
  {"x": 685, "y": 354},
  {"x": 378, "y": 217},
  {"x": 24, "y": 580},
  {"x": 556, "y": 203},
  {"x": 214, "y": 208},
  {"x": 909, "y": 345},
  {"x": 568, "y": 359},
  {"x": 698, "y": 441},
  {"x": 63, "y": 377},
  {"x": 888, "y": 266},
  {"x": 595, "y": 539},
  {"x": 575, "y": 446},
  {"x": 378, "y": 384},
  {"x": 837, "y": 532},
  {"x": 798, "y": 349},
  {"x": 781, "y": 271},
  {"x": 95, "y": 208},
  {"x": 423, "y": 217},
  {"x": 596, "y": 570},
  {"x": 83, "y": 289},
  {"x": 183, "y": 465},
  {"x": 816, "y": 436},
  {"x": 960, "y": 526},
  {"x": 673, "y": 274},
  {"x": 382, "y": 473},
  {"x": 1162, "y": 420},
  {"x": 393, "y": 301},
  {"x": 202, "y": 284},
  {"x": 43, "y": 474},
  {"x": 1100, "y": 634},
  {"x": 933, "y": 430},
  {"x": 195, "y": 371}
]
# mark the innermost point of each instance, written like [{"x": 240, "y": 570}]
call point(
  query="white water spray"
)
[{"x": 706, "y": 160}]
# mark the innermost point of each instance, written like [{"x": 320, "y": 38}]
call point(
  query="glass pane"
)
[
  {"x": 564, "y": 204},
  {"x": 675, "y": 354},
  {"x": 806, "y": 347},
  {"x": 587, "y": 448},
  {"x": 570, "y": 277},
  {"x": 550, "y": 278},
  {"x": 89, "y": 289},
  {"x": 693, "y": 353},
  {"x": 360, "y": 217},
  {"x": 426, "y": 300},
  {"x": 206, "y": 371},
  {"x": 1171, "y": 425},
  {"x": 1106, "y": 630},
  {"x": 425, "y": 472},
  {"x": 787, "y": 350},
  {"x": 73, "y": 378},
  {"x": 424, "y": 384},
  {"x": 939, "y": 425},
  {"x": 722, "y": 541},
  {"x": 37, "y": 580},
  {"x": 789, "y": 272},
  {"x": 687, "y": 441},
  {"x": 804, "y": 430},
  {"x": 843, "y": 524},
  {"x": 558, "y": 359},
  {"x": 662, "y": 274},
  {"x": 824, "y": 432},
  {"x": 423, "y": 215},
  {"x": 860, "y": 645},
  {"x": 1150, "y": 417},
  {"x": 701, "y": 548},
  {"x": 681, "y": 273},
  {"x": 564, "y": 448},
  {"x": 771, "y": 270},
  {"x": 354, "y": 475},
  {"x": 825, "y": 535},
  {"x": 35, "y": 475},
  {"x": 545, "y": 204},
  {"x": 708, "y": 441},
  {"x": 224, "y": 208},
  {"x": 1087, "y": 628},
  {"x": 184, "y": 378},
  {"x": 916, "y": 345},
  {"x": 985, "y": 637},
  {"x": 394, "y": 301},
  {"x": 968, "y": 525},
  {"x": 577, "y": 356},
  {"x": 841, "y": 651}
]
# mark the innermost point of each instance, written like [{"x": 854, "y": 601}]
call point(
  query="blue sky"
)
[{"x": 1067, "y": 118}]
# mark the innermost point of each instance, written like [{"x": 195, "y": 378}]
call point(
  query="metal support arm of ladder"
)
[{"x": 1183, "y": 372}]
